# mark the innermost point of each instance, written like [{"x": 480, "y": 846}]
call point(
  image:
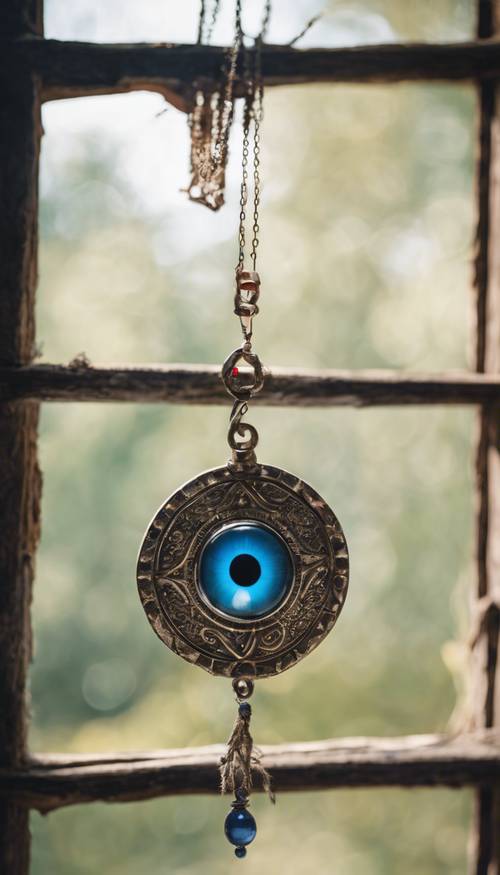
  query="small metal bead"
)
[{"x": 240, "y": 852}]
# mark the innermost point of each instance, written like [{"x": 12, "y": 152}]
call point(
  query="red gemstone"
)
[{"x": 235, "y": 372}]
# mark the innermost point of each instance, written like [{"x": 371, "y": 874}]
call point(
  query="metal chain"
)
[
  {"x": 213, "y": 20},
  {"x": 244, "y": 384},
  {"x": 211, "y": 118},
  {"x": 252, "y": 113},
  {"x": 204, "y": 38},
  {"x": 247, "y": 117},
  {"x": 226, "y": 110},
  {"x": 258, "y": 111},
  {"x": 201, "y": 21}
]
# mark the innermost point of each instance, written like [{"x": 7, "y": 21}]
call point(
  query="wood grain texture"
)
[
  {"x": 53, "y": 781},
  {"x": 485, "y": 672},
  {"x": 201, "y": 384},
  {"x": 75, "y": 69},
  {"x": 19, "y": 474}
]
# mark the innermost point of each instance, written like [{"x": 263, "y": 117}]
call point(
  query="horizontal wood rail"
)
[
  {"x": 201, "y": 384},
  {"x": 54, "y": 781},
  {"x": 77, "y": 69}
]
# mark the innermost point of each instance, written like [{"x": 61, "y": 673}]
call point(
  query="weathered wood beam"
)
[
  {"x": 77, "y": 69},
  {"x": 201, "y": 384},
  {"x": 485, "y": 666},
  {"x": 51, "y": 782},
  {"x": 19, "y": 474}
]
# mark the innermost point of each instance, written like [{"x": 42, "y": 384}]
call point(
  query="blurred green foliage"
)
[{"x": 366, "y": 239}]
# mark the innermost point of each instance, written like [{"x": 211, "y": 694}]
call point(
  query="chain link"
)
[
  {"x": 204, "y": 38},
  {"x": 226, "y": 111},
  {"x": 211, "y": 118},
  {"x": 257, "y": 117},
  {"x": 247, "y": 116},
  {"x": 252, "y": 113},
  {"x": 243, "y": 385}
]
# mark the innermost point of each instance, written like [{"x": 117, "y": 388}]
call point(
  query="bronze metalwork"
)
[
  {"x": 237, "y": 383},
  {"x": 245, "y": 299},
  {"x": 168, "y": 571},
  {"x": 210, "y": 123}
]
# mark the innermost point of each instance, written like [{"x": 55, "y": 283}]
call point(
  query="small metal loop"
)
[
  {"x": 233, "y": 380},
  {"x": 248, "y": 281},
  {"x": 243, "y": 687},
  {"x": 247, "y": 444},
  {"x": 244, "y": 447},
  {"x": 243, "y": 430},
  {"x": 246, "y": 297}
]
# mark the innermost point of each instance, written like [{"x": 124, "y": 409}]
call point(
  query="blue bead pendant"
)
[{"x": 240, "y": 827}]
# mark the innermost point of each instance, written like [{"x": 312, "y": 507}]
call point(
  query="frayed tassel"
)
[{"x": 242, "y": 759}]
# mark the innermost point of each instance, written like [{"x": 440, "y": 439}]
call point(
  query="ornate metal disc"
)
[{"x": 243, "y": 572}]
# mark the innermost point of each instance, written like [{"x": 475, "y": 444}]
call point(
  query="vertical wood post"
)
[
  {"x": 19, "y": 474},
  {"x": 485, "y": 676}
]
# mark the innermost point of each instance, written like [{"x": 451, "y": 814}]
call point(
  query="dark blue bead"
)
[
  {"x": 245, "y": 709},
  {"x": 240, "y": 852},
  {"x": 240, "y": 827}
]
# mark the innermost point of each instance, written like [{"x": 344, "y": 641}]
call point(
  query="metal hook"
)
[{"x": 243, "y": 449}]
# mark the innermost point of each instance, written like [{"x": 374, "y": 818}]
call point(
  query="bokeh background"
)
[{"x": 365, "y": 260}]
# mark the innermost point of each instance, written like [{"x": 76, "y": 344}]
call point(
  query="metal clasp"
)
[
  {"x": 242, "y": 438},
  {"x": 236, "y": 382},
  {"x": 245, "y": 299}
]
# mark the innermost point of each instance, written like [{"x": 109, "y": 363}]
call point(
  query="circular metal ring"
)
[
  {"x": 169, "y": 561},
  {"x": 243, "y": 687},
  {"x": 233, "y": 382}
]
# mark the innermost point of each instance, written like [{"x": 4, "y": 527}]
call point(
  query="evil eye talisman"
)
[{"x": 243, "y": 570}]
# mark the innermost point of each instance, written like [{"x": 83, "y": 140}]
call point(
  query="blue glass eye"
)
[{"x": 245, "y": 570}]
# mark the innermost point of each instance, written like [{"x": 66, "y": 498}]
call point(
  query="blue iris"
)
[{"x": 245, "y": 570}]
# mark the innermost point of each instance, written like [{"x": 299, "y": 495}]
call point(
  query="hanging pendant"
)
[{"x": 243, "y": 571}]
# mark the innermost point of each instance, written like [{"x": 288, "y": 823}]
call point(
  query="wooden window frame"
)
[{"x": 34, "y": 70}]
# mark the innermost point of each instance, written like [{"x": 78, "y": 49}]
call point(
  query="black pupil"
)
[{"x": 244, "y": 569}]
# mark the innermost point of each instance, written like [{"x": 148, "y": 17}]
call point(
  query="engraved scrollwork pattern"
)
[{"x": 167, "y": 572}]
